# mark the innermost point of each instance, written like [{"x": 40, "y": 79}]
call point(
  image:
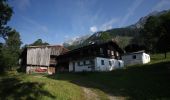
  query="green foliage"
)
[
  {"x": 13, "y": 41},
  {"x": 148, "y": 34},
  {"x": 134, "y": 48},
  {"x": 130, "y": 32},
  {"x": 105, "y": 36},
  {"x": 5, "y": 16},
  {"x": 10, "y": 51},
  {"x": 155, "y": 35},
  {"x": 39, "y": 42},
  {"x": 123, "y": 41}
]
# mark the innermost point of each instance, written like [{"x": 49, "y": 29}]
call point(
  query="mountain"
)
[
  {"x": 127, "y": 32},
  {"x": 123, "y": 35},
  {"x": 142, "y": 20},
  {"x": 75, "y": 41}
]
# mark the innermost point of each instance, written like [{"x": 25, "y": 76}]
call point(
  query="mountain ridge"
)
[{"x": 121, "y": 35}]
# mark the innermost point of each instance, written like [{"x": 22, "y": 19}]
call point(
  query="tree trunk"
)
[{"x": 165, "y": 54}]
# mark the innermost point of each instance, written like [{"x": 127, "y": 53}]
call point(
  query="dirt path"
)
[
  {"x": 116, "y": 98},
  {"x": 91, "y": 95}
]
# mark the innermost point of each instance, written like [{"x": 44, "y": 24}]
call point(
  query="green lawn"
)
[{"x": 139, "y": 82}]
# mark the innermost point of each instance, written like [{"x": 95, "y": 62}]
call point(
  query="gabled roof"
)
[
  {"x": 138, "y": 52},
  {"x": 43, "y": 46},
  {"x": 97, "y": 45}
]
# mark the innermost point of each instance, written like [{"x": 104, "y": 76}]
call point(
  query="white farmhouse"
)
[
  {"x": 95, "y": 64},
  {"x": 139, "y": 57},
  {"x": 94, "y": 57}
]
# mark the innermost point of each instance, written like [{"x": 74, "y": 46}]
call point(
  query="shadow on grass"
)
[
  {"x": 14, "y": 89},
  {"x": 150, "y": 81}
]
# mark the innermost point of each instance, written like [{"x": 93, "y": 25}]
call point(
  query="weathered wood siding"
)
[
  {"x": 38, "y": 56},
  {"x": 56, "y": 50}
]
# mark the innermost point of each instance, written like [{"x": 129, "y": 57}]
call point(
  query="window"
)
[
  {"x": 91, "y": 61},
  {"x": 110, "y": 63},
  {"x": 87, "y": 62},
  {"x": 80, "y": 63},
  {"x": 101, "y": 50},
  {"x": 119, "y": 64},
  {"x": 112, "y": 53},
  {"x": 117, "y": 54},
  {"x": 108, "y": 52},
  {"x": 134, "y": 56},
  {"x": 102, "y": 62}
]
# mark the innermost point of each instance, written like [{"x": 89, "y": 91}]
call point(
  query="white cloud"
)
[
  {"x": 161, "y": 5},
  {"x": 66, "y": 36},
  {"x": 84, "y": 18},
  {"x": 131, "y": 11},
  {"x": 108, "y": 25},
  {"x": 105, "y": 26},
  {"x": 93, "y": 29}
]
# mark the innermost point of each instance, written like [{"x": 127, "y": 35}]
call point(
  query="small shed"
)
[{"x": 133, "y": 58}]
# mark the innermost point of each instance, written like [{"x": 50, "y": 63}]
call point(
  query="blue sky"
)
[{"x": 56, "y": 21}]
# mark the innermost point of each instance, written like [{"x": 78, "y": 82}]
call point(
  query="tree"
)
[
  {"x": 10, "y": 51},
  {"x": 39, "y": 42},
  {"x": 134, "y": 48},
  {"x": 5, "y": 16},
  {"x": 156, "y": 33},
  {"x": 149, "y": 34},
  {"x": 163, "y": 44},
  {"x": 123, "y": 41}
]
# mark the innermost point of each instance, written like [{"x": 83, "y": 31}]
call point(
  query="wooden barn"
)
[{"x": 41, "y": 59}]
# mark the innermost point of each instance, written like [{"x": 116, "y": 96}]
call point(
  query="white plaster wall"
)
[
  {"x": 115, "y": 64},
  {"x": 146, "y": 58},
  {"x": 141, "y": 58},
  {"x": 99, "y": 66},
  {"x": 128, "y": 59},
  {"x": 79, "y": 68},
  {"x": 70, "y": 66}
]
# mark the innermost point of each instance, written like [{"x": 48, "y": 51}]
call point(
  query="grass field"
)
[{"x": 139, "y": 82}]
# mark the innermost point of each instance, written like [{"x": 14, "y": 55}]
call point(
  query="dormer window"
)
[
  {"x": 117, "y": 54},
  {"x": 101, "y": 50},
  {"x": 108, "y": 52},
  {"x": 112, "y": 53}
]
